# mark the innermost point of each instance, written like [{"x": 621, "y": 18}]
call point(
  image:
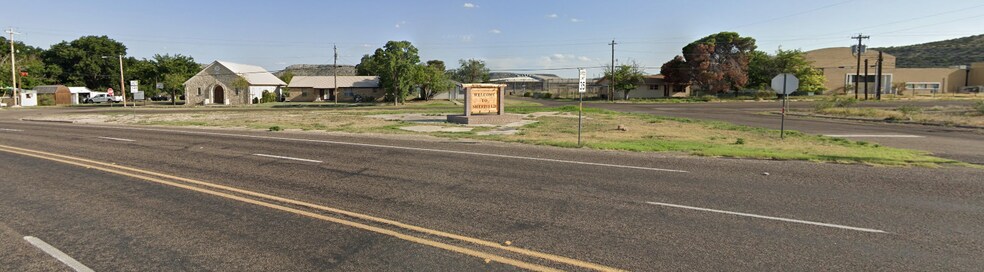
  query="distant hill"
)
[
  {"x": 317, "y": 70},
  {"x": 960, "y": 51}
]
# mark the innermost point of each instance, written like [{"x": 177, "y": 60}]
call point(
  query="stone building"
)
[{"x": 227, "y": 83}]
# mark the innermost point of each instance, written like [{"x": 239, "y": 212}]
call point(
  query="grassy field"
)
[
  {"x": 643, "y": 133},
  {"x": 950, "y": 115}
]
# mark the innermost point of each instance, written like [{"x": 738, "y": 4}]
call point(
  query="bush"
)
[
  {"x": 527, "y": 94},
  {"x": 275, "y": 128},
  {"x": 46, "y": 100},
  {"x": 268, "y": 97},
  {"x": 547, "y": 95},
  {"x": 740, "y": 141},
  {"x": 842, "y": 102},
  {"x": 256, "y": 100},
  {"x": 764, "y": 94}
]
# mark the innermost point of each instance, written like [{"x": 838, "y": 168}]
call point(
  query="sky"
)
[{"x": 532, "y": 36}]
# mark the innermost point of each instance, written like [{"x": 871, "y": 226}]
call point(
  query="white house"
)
[{"x": 79, "y": 94}]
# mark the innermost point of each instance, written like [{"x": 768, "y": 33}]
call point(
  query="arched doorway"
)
[{"x": 218, "y": 94}]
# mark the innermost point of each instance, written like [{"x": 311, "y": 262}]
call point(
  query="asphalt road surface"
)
[
  {"x": 137, "y": 199},
  {"x": 960, "y": 144}
]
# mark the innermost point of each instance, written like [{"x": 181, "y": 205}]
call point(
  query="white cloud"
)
[
  {"x": 466, "y": 38},
  {"x": 576, "y": 20},
  {"x": 583, "y": 58},
  {"x": 401, "y": 23},
  {"x": 470, "y": 5},
  {"x": 552, "y": 16},
  {"x": 495, "y": 31}
]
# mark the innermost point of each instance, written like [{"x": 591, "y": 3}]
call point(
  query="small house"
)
[{"x": 323, "y": 88}]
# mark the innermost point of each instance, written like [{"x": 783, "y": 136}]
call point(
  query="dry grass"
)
[{"x": 951, "y": 115}]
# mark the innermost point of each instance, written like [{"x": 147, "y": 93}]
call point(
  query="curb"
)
[
  {"x": 48, "y": 121},
  {"x": 881, "y": 121}
]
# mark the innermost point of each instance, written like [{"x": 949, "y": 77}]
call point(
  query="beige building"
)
[
  {"x": 839, "y": 66},
  {"x": 652, "y": 86},
  {"x": 322, "y": 88}
]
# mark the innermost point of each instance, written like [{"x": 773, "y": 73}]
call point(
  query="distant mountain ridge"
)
[
  {"x": 947, "y": 53},
  {"x": 317, "y": 70}
]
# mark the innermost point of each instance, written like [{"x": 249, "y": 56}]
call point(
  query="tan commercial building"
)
[
  {"x": 651, "y": 86},
  {"x": 839, "y": 66},
  {"x": 322, "y": 88}
]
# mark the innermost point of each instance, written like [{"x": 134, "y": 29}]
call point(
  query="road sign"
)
[
  {"x": 134, "y": 86},
  {"x": 582, "y": 81},
  {"x": 160, "y": 85},
  {"x": 785, "y": 83},
  {"x": 138, "y": 96}
]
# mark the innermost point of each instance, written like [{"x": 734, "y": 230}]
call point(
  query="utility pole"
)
[
  {"x": 335, "y": 72},
  {"x": 611, "y": 90},
  {"x": 879, "y": 85},
  {"x": 865, "y": 79},
  {"x": 13, "y": 70},
  {"x": 860, "y": 50},
  {"x": 123, "y": 87}
]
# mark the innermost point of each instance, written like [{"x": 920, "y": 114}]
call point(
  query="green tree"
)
[
  {"x": 286, "y": 77},
  {"x": 627, "y": 78},
  {"x": 471, "y": 71},
  {"x": 763, "y": 67},
  {"x": 719, "y": 62},
  {"x": 28, "y": 60},
  {"x": 432, "y": 78},
  {"x": 396, "y": 65},
  {"x": 82, "y": 61}
]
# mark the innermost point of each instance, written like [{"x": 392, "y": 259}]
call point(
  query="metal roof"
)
[
  {"x": 255, "y": 75},
  {"x": 328, "y": 82}
]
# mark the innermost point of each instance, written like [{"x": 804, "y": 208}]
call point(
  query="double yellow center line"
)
[{"x": 231, "y": 193}]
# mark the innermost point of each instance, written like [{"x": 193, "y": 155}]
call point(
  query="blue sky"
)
[{"x": 509, "y": 35}]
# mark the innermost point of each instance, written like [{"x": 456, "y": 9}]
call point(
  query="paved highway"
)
[{"x": 124, "y": 198}]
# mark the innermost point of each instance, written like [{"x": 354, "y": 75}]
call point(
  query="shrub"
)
[
  {"x": 527, "y": 94},
  {"x": 764, "y": 94},
  {"x": 268, "y": 97},
  {"x": 46, "y": 100},
  {"x": 547, "y": 95},
  {"x": 740, "y": 141},
  {"x": 256, "y": 100},
  {"x": 275, "y": 128},
  {"x": 979, "y": 107}
]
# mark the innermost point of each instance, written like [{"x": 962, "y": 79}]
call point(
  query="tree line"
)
[
  {"x": 93, "y": 62},
  {"x": 401, "y": 72},
  {"x": 727, "y": 61}
]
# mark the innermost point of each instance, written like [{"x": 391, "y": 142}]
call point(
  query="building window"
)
[
  {"x": 923, "y": 86},
  {"x": 654, "y": 87},
  {"x": 199, "y": 91},
  {"x": 854, "y": 78}
]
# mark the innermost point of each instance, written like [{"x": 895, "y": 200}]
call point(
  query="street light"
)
[{"x": 122, "y": 87}]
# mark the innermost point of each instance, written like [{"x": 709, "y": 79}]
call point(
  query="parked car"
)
[
  {"x": 103, "y": 98},
  {"x": 159, "y": 98}
]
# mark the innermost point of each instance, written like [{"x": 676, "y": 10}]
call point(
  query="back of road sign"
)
[
  {"x": 785, "y": 82},
  {"x": 582, "y": 82}
]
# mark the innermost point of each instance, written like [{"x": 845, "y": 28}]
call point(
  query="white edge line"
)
[
  {"x": 286, "y": 158},
  {"x": 399, "y": 147},
  {"x": 769, "y": 217},
  {"x": 875, "y": 136},
  {"x": 58, "y": 254},
  {"x": 10, "y": 129},
  {"x": 116, "y": 139}
]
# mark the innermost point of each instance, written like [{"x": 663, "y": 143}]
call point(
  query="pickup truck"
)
[{"x": 102, "y": 98}]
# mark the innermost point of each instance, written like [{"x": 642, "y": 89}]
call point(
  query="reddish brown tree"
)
[{"x": 719, "y": 62}]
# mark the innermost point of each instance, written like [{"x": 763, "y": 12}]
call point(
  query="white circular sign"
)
[{"x": 785, "y": 82}]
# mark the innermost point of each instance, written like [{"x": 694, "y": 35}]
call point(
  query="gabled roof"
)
[
  {"x": 515, "y": 79},
  {"x": 328, "y": 82},
  {"x": 255, "y": 75}
]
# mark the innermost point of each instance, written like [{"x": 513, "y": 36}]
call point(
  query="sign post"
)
[
  {"x": 784, "y": 84},
  {"x": 582, "y": 87}
]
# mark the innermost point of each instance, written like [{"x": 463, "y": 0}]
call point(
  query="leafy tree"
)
[
  {"x": 719, "y": 62},
  {"x": 396, "y": 65},
  {"x": 471, "y": 71},
  {"x": 28, "y": 60},
  {"x": 432, "y": 77},
  {"x": 627, "y": 78},
  {"x": 82, "y": 63},
  {"x": 286, "y": 77},
  {"x": 763, "y": 67},
  {"x": 676, "y": 72}
]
